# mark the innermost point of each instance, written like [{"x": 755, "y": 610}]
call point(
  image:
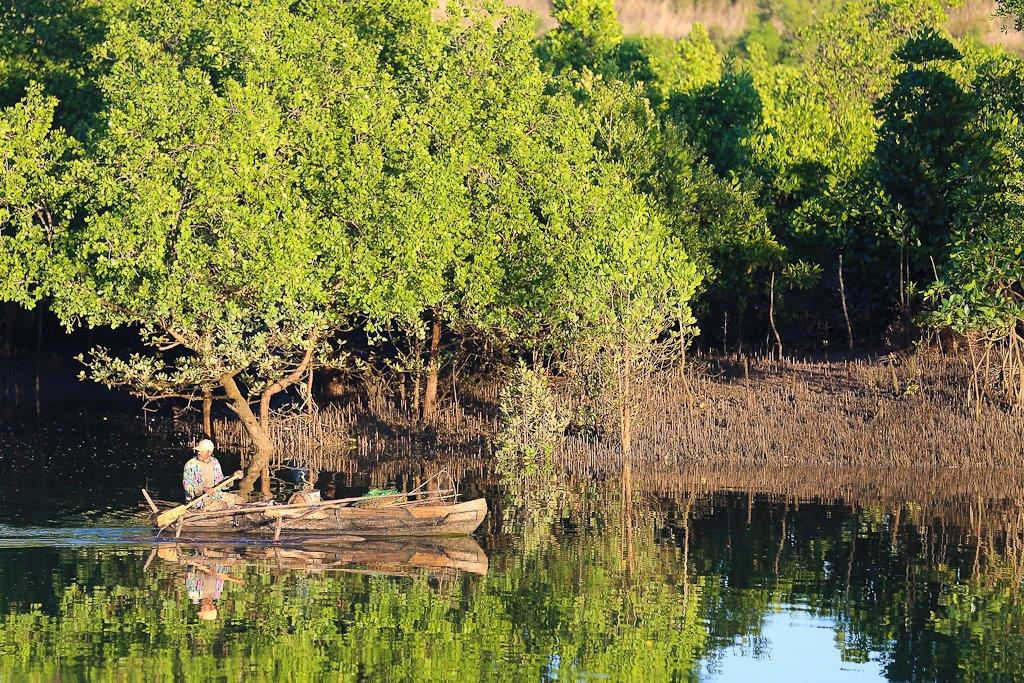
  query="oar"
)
[{"x": 171, "y": 516}]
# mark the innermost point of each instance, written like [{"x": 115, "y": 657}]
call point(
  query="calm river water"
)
[{"x": 695, "y": 583}]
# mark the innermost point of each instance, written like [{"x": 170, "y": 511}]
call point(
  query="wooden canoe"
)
[{"x": 419, "y": 518}]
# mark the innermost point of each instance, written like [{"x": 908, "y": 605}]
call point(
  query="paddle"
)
[{"x": 171, "y": 516}]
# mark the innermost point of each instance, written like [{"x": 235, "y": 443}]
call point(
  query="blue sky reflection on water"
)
[{"x": 795, "y": 646}]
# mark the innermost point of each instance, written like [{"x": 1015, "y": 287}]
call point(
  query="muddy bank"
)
[
  {"x": 903, "y": 411},
  {"x": 897, "y": 411}
]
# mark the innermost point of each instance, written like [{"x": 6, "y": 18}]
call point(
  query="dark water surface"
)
[{"x": 700, "y": 583}]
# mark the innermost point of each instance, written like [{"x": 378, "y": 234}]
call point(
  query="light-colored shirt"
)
[
  {"x": 193, "y": 479},
  {"x": 201, "y": 584},
  {"x": 209, "y": 475}
]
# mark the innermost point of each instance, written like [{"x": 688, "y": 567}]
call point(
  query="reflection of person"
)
[
  {"x": 201, "y": 474},
  {"x": 204, "y": 585}
]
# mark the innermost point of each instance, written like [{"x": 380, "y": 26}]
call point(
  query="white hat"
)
[{"x": 204, "y": 446}]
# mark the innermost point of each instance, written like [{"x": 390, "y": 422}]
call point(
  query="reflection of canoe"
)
[
  {"x": 403, "y": 518},
  {"x": 377, "y": 555}
]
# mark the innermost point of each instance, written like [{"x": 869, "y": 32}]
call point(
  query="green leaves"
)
[
  {"x": 33, "y": 198},
  {"x": 801, "y": 274},
  {"x": 261, "y": 178},
  {"x": 981, "y": 288},
  {"x": 1013, "y": 9},
  {"x": 198, "y": 212},
  {"x": 204, "y": 222},
  {"x": 927, "y": 46},
  {"x": 256, "y": 179},
  {"x": 587, "y": 33}
]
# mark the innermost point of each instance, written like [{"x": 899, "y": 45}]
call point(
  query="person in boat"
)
[{"x": 201, "y": 474}]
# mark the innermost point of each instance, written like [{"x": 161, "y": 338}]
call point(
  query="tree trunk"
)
[
  {"x": 771, "y": 316},
  {"x": 260, "y": 466},
  {"x": 741, "y": 309},
  {"x": 455, "y": 378},
  {"x": 264, "y": 466},
  {"x": 265, "y": 410},
  {"x": 903, "y": 303},
  {"x": 625, "y": 404},
  {"x": 433, "y": 370},
  {"x": 260, "y": 437},
  {"x": 846, "y": 312},
  {"x": 725, "y": 331},
  {"x": 416, "y": 379},
  {"x": 974, "y": 383},
  {"x": 208, "y": 412},
  {"x": 626, "y": 438},
  {"x": 1018, "y": 343},
  {"x": 682, "y": 342},
  {"x": 310, "y": 406}
]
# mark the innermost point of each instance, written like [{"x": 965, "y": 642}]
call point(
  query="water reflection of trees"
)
[
  {"x": 563, "y": 610},
  {"x": 645, "y": 578},
  {"x": 920, "y": 567},
  {"x": 933, "y": 587}
]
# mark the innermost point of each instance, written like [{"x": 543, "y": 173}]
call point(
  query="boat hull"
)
[{"x": 427, "y": 519}]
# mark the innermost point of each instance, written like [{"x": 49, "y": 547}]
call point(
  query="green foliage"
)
[
  {"x": 51, "y": 42},
  {"x": 762, "y": 37},
  {"x": 927, "y": 46},
  {"x": 588, "y": 32},
  {"x": 817, "y": 115},
  {"x": 1013, "y": 9},
  {"x": 533, "y": 423},
  {"x": 922, "y": 141},
  {"x": 801, "y": 275},
  {"x": 669, "y": 67},
  {"x": 33, "y": 196},
  {"x": 245, "y": 203},
  {"x": 981, "y": 288},
  {"x": 204, "y": 220}
]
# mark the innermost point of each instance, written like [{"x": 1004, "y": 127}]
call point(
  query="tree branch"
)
[
  {"x": 297, "y": 373},
  {"x": 285, "y": 382}
]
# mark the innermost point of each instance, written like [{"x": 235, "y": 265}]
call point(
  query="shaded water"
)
[{"x": 702, "y": 579}]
